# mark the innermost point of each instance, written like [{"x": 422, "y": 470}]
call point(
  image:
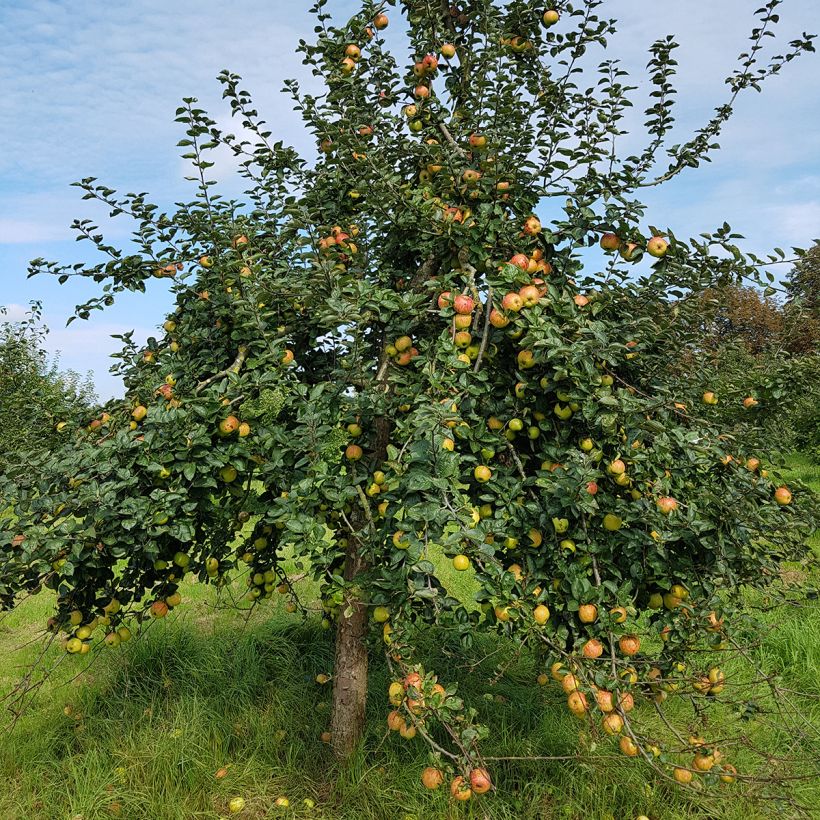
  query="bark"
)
[{"x": 350, "y": 670}]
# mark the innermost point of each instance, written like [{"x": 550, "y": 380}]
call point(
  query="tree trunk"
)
[{"x": 350, "y": 670}]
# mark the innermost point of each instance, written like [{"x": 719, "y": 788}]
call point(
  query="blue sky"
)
[{"x": 89, "y": 88}]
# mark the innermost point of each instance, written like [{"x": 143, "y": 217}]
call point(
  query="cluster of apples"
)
[
  {"x": 657, "y": 246},
  {"x": 340, "y": 239},
  {"x": 401, "y": 351},
  {"x": 79, "y": 643},
  {"x": 612, "y": 706}
]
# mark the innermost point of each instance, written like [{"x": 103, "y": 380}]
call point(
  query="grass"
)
[{"x": 140, "y": 732}]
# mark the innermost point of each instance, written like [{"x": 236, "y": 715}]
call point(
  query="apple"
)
[
  {"x": 502, "y": 613},
  {"x": 228, "y": 425},
  {"x": 580, "y": 300},
  {"x": 380, "y": 22},
  {"x": 482, "y": 474},
  {"x": 228, "y": 474},
  {"x": 627, "y": 746},
  {"x": 587, "y": 613},
  {"x": 459, "y": 789},
  {"x": 353, "y": 51},
  {"x": 569, "y": 683},
  {"x": 461, "y": 562},
  {"x": 750, "y": 402},
  {"x": 616, "y": 467},
  {"x": 462, "y": 339},
  {"x": 445, "y": 300},
  {"x": 463, "y": 304},
  {"x": 448, "y": 50},
  {"x": 604, "y": 700},
  {"x": 666, "y": 505},
  {"x": 461, "y": 321},
  {"x": 618, "y": 614},
  {"x": 432, "y": 777},
  {"x": 728, "y": 773},
  {"x": 206, "y": 261},
  {"x": 530, "y": 295},
  {"x": 612, "y": 522},
  {"x": 236, "y": 805},
  {"x": 613, "y": 723},
  {"x": 347, "y": 66},
  {"x": 403, "y": 343},
  {"x": 395, "y": 721},
  {"x": 399, "y": 541},
  {"x": 593, "y": 648},
  {"x": 477, "y": 141},
  {"x": 353, "y": 452},
  {"x": 532, "y": 226},
  {"x": 610, "y": 242},
  {"x": 471, "y": 176},
  {"x": 73, "y": 646},
  {"x": 752, "y": 464},
  {"x": 512, "y": 301},
  {"x": 480, "y": 781},
  {"x": 682, "y": 776},
  {"x": 526, "y": 359},
  {"x": 592, "y": 487},
  {"x": 139, "y": 412},
  {"x": 174, "y": 599},
  {"x": 422, "y": 92},
  {"x": 629, "y": 645},
  {"x": 381, "y": 614},
  {"x": 710, "y": 398},
  {"x": 541, "y": 614},
  {"x": 703, "y": 762},
  {"x": 630, "y": 252},
  {"x": 783, "y": 496},
  {"x": 498, "y": 319},
  {"x": 657, "y": 247},
  {"x": 550, "y": 17},
  {"x": 521, "y": 261},
  {"x": 159, "y": 609},
  {"x": 577, "y": 703}
]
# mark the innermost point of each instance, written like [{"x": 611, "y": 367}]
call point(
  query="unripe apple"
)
[
  {"x": 657, "y": 247},
  {"x": 236, "y": 805},
  {"x": 541, "y": 614},
  {"x": 612, "y": 522},
  {"x": 482, "y": 474}
]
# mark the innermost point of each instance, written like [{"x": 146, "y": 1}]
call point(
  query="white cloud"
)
[{"x": 13, "y": 313}]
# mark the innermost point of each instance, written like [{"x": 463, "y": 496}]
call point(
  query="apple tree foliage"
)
[
  {"x": 37, "y": 395},
  {"x": 412, "y": 346}
]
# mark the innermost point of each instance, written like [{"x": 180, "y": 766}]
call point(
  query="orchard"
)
[{"x": 450, "y": 332}]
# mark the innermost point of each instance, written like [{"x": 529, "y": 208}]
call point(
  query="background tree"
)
[
  {"x": 384, "y": 356},
  {"x": 39, "y": 401}
]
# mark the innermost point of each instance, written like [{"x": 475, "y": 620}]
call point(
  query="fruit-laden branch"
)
[{"x": 234, "y": 367}]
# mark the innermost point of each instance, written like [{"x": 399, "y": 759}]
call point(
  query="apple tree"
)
[{"x": 449, "y": 335}]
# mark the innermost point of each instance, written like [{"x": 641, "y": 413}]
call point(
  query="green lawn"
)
[{"x": 140, "y": 732}]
